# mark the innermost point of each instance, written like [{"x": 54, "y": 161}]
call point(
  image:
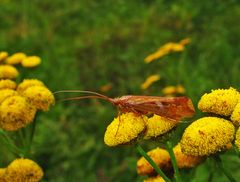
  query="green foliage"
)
[{"x": 86, "y": 44}]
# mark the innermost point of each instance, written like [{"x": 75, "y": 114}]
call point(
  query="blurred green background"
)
[{"x": 87, "y": 44}]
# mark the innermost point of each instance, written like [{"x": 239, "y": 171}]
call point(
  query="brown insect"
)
[{"x": 173, "y": 108}]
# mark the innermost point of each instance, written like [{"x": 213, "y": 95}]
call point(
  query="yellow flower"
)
[
  {"x": 158, "y": 125},
  {"x": 159, "y": 156},
  {"x": 40, "y": 97},
  {"x": 235, "y": 117},
  {"x": 221, "y": 101},
  {"x": 237, "y": 141},
  {"x": 7, "y": 84},
  {"x": 23, "y": 170},
  {"x": 31, "y": 61},
  {"x": 8, "y": 72},
  {"x": 106, "y": 88},
  {"x": 149, "y": 81},
  {"x": 185, "y": 41},
  {"x": 124, "y": 129},
  {"x": 172, "y": 90},
  {"x": 2, "y": 174},
  {"x": 186, "y": 161},
  {"x": 206, "y": 136},
  {"x": 15, "y": 113},
  {"x": 3, "y": 56},
  {"x": 5, "y": 93},
  {"x": 154, "y": 179},
  {"x": 16, "y": 58},
  {"x": 28, "y": 83}
]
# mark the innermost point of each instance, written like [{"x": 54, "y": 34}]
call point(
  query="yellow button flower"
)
[
  {"x": 172, "y": 90},
  {"x": 7, "y": 84},
  {"x": 28, "y": 83},
  {"x": 207, "y": 136},
  {"x": 3, "y": 56},
  {"x": 149, "y": 81},
  {"x": 23, "y": 170},
  {"x": 221, "y": 101},
  {"x": 31, "y": 61},
  {"x": 159, "y": 156},
  {"x": 124, "y": 129},
  {"x": 8, "y": 72},
  {"x": 16, "y": 58},
  {"x": 158, "y": 125},
  {"x": 5, "y": 93},
  {"x": 40, "y": 97},
  {"x": 186, "y": 161},
  {"x": 154, "y": 179},
  {"x": 15, "y": 113},
  {"x": 235, "y": 117},
  {"x": 2, "y": 174},
  {"x": 237, "y": 141}
]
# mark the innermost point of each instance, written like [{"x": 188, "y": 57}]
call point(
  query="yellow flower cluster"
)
[
  {"x": 166, "y": 49},
  {"x": 149, "y": 81},
  {"x": 128, "y": 126},
  {"x": 21, "y": 170},
  {"x": 154, "y": 179},
  {"x": 173, "y": 90},
  {"x": 7, "y": 64},
  {"x": 209, "y": 135},
  {"x": 18, "y": 105},
  {"x": 162, "y": 158},
  {"x": 237, "y": 141}
]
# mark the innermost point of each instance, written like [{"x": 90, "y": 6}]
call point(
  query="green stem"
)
[
  {"x": 174, "y": 161},
  {"x": 221, "y": 167},
  {"x": 153, "y": 164}
]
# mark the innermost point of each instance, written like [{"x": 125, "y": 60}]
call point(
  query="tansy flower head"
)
[
  {"x": 154, "y": 179},
  {"x": 23, "y": 170},
  {"x": 28, "y": 83},
  {"x": 40, "y": 97},
  {"x": 31, "y": 61},
  {"x": 8, "y": 72},
  {"x": 3, "y": 56},
  {"x": 124, "y": 129},
  {"x": 172, "y": 90},
  {"x": 221, "y": 101},
  {"x": 5, "y": 93},
  {"x": 157, "y": 125},
  {"x": 159, "y": 156},
  {"x": 7, "y": 84},
  {"x": 15, "y": 113},
  {"x": 16, "y": 58},
  {"x": 149, "y": 81},
  {"x": 2, "y": 174},
  {"x": 186, "y": 161},
  {"x": 207, "y": 136},
  {"x": 237, "y": 141},
  {"x": 235, "y": 117}
]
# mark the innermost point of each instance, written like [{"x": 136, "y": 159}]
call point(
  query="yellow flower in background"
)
[
  {"x": 154, "y": 179},
  {"x": 16, "y": 58},
  {"x": 150, "y": 80},
  {"x": 186, "y": 161},
  {"x": 40, "y": 97},
  {"x": 220, "y": 101},
  {"x": 106, "y": 88},
  {"x": 26, "y": 83},
  {"x": 7, "y": 84},
  {"x": 5, "y": 93},
  {"x": 31, "y": 61},
  {"x": 8, "y": 72},
  {"x": 3, "y": 55},
  {"x": 157, "y": 125},
  {"x": 123, "y": 129},
  {"x": 23, "y": 170},
  {"x": 2, "y": 174},
  {"x": 172, "y": 90},
  {"x": 160, "y": 156},
  {"x": 206, "y": 136},
  {"x": 235, "y": 117},
  {"x": 237, "y": 141},
  {"x": 15, "y": 113},
  {"x": 166, "y": 49}
]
